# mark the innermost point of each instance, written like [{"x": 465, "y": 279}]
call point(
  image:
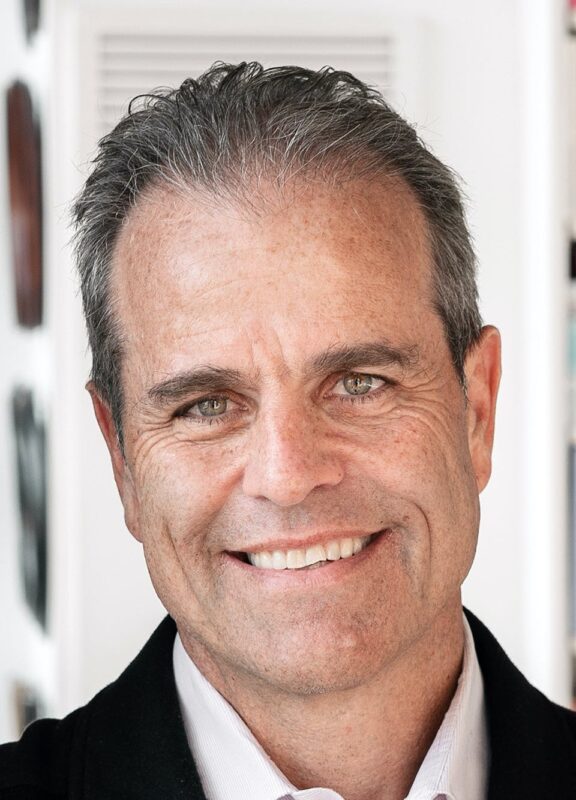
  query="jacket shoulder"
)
[
  {"x": 38, "y": 766},
  {"x": 568, "y": 719},
  {"x": 127, "y": 741}
]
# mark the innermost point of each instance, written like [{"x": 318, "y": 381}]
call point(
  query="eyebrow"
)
[
  {"x": 341, "y": 358},
  {"x": 349, "y": 357},
  {"x": 203, "y": 379}
]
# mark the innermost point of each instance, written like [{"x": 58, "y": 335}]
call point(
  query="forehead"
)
[{"x": 332, "y": 262}]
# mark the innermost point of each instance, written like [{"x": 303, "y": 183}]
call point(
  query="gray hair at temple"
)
[{"x": 239, "y": 123}]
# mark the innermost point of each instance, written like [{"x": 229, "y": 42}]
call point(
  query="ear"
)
[
  {"x": 121, "y": 470},
  {"x": 482, "y": 368}
]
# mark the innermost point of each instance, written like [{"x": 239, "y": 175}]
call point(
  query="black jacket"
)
[{"x": 128, "y": 743}]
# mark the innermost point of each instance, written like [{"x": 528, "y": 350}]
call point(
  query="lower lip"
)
[{"x": 332, "y": 571}]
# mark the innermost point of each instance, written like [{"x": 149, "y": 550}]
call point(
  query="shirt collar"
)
[
  {"x": 231, "y": 763},
  {"x": 456, "y": 765},
  {"x": 233, "y": 766}
]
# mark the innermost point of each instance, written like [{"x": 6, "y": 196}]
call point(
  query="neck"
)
[{"x": 367, "y": 743}]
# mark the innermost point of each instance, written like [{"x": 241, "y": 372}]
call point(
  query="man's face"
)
[{"x": 288, "y": 384}]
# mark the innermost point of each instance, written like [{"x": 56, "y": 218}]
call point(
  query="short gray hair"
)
[{"x": 236, "y": 122}]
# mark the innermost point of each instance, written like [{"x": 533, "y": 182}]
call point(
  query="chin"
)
[
  {"x": 317, "y": 679},
  {"x": 315, "y": 668}
]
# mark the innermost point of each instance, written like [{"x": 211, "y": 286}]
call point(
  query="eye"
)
[
  {"x": 208, "y": 407},
  {"x": 358, "y": 383},
  {"x": 214, "y": 410}
]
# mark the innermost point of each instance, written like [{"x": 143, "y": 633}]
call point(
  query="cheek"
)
[
  {"x": 424, "y": 459},
  {"x": 415, "y": 452},
  {"x": 179, "y": 501},
  {"x": 182, "y": 487}
]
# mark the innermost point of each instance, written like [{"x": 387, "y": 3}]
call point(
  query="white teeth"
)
[
  {"x": 346, "y": 548},
  {"x": 295, "y": 559},
  {"x": 315, "y": 554},
  {"x": 299, "y": 558},
  {"x": 333, "y": 551}
]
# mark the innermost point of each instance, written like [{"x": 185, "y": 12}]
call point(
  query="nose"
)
[{"x": 290, "y": 455}]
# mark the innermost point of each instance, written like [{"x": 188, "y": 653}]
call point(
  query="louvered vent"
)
[{"x": 129, "y": 64}]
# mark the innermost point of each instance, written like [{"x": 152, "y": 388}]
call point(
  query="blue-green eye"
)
[
  {"x": 357, "y": 383},
  {"x": 211, "y": 406}
]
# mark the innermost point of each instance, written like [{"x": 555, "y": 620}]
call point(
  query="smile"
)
[{"x": 309, "y": 557}]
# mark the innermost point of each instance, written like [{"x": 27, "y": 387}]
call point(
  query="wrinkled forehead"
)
[{"x": 266, "y": 233}]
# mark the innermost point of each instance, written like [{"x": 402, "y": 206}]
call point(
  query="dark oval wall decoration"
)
[
  {"x": 30, "y": 440},
  {"x": 31, "y": 17},
  {"x": 24, "y": 169}
]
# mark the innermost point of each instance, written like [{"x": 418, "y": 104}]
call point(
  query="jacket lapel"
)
[
  {"x": 135, "y": 743},
  {"x": 532, "y": 740}
]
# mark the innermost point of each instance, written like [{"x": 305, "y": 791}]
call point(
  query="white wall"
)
[
  {"x": 489, "y": 72},
  {"x": 27, "y": 654}
]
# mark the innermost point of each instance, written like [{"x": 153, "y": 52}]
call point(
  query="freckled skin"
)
[{"x": 263, "y": 293}]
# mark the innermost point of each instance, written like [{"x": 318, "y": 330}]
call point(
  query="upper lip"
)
[{"x": 299, "y": 543}]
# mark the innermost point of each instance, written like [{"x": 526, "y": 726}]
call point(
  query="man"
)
[{"x": 298, "y": 396}]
